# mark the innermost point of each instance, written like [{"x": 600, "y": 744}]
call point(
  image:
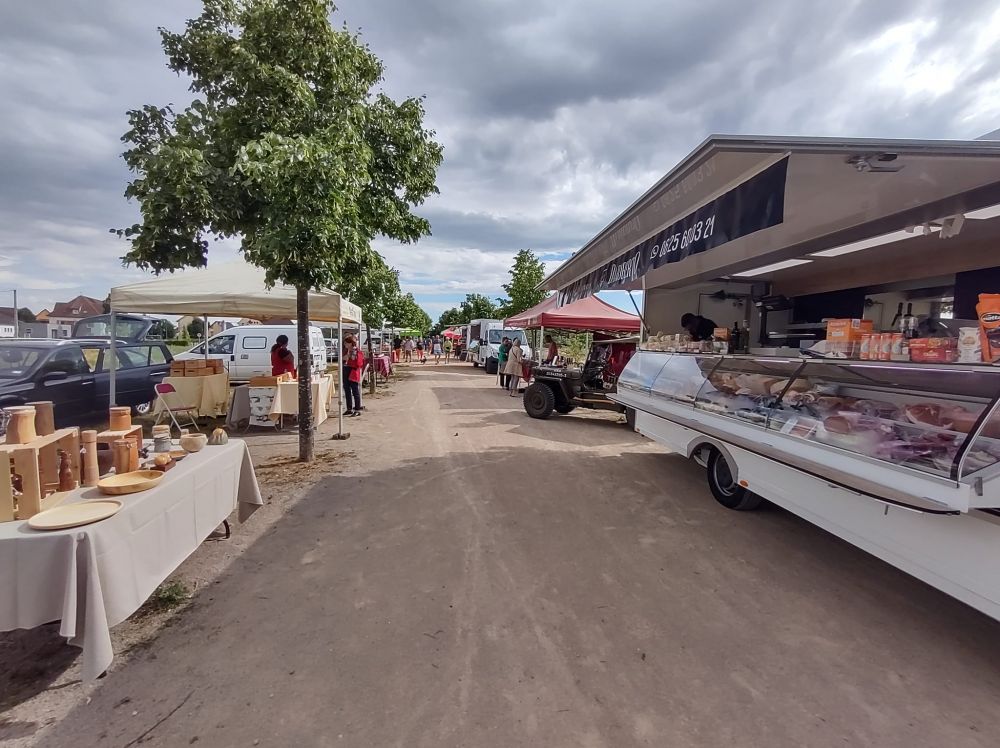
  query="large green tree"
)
[
  {"x": 451, "y": 317},
  {"x": 409, "y": 313},
  {"x": 526, "y": 275},
  {"x": 286, "y": 146},
  {"x": 477, "y": 306}
]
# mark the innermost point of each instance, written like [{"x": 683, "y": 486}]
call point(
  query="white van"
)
[{"x": 246, "y": 351}]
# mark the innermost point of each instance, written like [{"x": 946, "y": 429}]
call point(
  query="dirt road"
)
[{"x": 482, "y": 579}]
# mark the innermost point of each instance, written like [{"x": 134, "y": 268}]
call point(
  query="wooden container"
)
[
  {"x": 126, "y": 483},
  {"x": 120, "y": 419},
  {"x": 21, "y": 427},
  {"x": 6, "y": 490},
  {"x": 45, "y": 417},
  {"x": 91, "y": 471},
  {"x": 123, "y": 455}
]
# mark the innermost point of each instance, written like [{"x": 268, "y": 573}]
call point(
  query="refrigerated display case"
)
[{"x": 926, "y": 437}]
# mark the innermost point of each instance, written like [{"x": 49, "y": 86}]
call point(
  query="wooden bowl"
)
[
  {"x": 138, "y": 480},
  {"x": 177, "y": 454}
]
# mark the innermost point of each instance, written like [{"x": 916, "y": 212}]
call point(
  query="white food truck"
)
[
  {"x": 483, "y": 341},
  {"x": 883, "y": 426}
]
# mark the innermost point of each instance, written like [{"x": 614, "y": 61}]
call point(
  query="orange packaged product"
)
[
  {"x": 934, "y": 350},
  {"x": 864, "y": 350},
  {"x": 988, "y": 311},
  {"x": 847, "y": 330}
]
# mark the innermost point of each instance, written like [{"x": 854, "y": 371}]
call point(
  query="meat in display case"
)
[{"x": 936, "y": 422}]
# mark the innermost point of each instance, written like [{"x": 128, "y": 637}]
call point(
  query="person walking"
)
[
  {"x": 354, "y": 366},
  {"x": 448, "y": 346},
  {"x": 420, "y": 351},
  {"x": 513, "y": 368},
  {"x": 408, "y": 349},
  {"x": 436, "y": 350}
]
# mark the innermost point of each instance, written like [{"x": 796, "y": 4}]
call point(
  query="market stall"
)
[
  {"x": 266, "y": 405},
  {"x": 94, "y": 576},
  {"x": 819, "y": 329},
  {"x": 208, "y": 393},
  {"x": 229, "y": 290}
]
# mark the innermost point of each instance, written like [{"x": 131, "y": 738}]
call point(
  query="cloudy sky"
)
[{"x": 554, "y": 115}]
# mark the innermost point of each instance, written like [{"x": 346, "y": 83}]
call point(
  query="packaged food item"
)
[
  {"x": 934, "y": 350},
  {"x": 847, "y": 330},
  {"x": 721, "y": 333},
  {"x": 970, "y": 347},
  {"x": 896, "y": 347},
  {"x": 885, "y": 347},
  {"x": 988, "y": 310},
  {"x": 864, "y": 351}
]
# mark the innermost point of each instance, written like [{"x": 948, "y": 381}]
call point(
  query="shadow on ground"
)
[{"x": 516, "y": 596}]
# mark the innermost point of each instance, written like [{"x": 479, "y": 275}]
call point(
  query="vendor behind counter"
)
[{"x": 698, "y": 327}]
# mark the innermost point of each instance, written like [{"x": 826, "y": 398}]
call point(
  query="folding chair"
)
[{"x": 186, "y": 411}]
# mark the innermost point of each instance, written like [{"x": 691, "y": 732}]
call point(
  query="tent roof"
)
[
  {"x": 590, "y": 313},
  {"x": 230, "y": 290}
]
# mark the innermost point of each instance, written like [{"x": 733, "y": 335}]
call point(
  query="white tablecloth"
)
[
  {"x": 94, "y": 577},
  {"x": 285, "y": 402},
  {"x": 210, "y": 394}
]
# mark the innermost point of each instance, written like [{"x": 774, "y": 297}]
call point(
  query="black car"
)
[{"x": 74, "y": 374}]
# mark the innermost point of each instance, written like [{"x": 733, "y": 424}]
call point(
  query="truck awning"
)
[{"x": 768, "y": 201}]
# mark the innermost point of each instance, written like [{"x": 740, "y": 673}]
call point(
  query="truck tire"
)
[
  {"x": 565, "y": 408},
  {"x": 492, "y": 365},
  {"x": 630, "y": 418},
  {"x": 724, "y": 487},
  {"x": 539, "y": 400}
]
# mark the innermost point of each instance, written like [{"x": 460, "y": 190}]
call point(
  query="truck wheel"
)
[
  {"x": 492, "y": 365},
  {"x": 539, "y": 400},
  {"x": 724, "y": 487},
  {"x": 565, "y": 408}
]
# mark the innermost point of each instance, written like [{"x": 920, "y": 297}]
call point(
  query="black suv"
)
[{"x": 75, "y": 375}]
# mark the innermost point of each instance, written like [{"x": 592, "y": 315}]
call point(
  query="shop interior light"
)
[
  {"x": 993, "y": 211},
  {"x": 770, "y": 268},
  {"x": 875, "y": 241}
]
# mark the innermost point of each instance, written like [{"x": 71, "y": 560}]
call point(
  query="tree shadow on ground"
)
[{"x": 436, "y": 583}]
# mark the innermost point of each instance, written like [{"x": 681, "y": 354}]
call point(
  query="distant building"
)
[
  {"x": 219, "y": 326},
  {"x": 247, "y": 321},
  {"x": 42, "y": 316},
  {"x": 66, "y": 313}
]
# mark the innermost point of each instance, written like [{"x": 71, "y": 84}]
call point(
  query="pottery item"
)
[
  {"x": 161, "y": 439},
  {"x": 120, "y": 419},
  {"x": 219, "y": 437},
  {"x": 193, "y": 442},
  {"x": 122, "y": 450},
  {"x": 74, "y": 515},
  {"x": 67, "y": 481},
  {"x": 45, "y": 417},
  {"x": 21, "y": 426},
  {"x": 91, "y": 471},
  {"x": 134, "y": 482}
]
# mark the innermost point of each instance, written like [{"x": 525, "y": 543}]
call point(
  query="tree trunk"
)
[
  {"x": 371, "y": 360},
  {"x": 306, "y": 436}
]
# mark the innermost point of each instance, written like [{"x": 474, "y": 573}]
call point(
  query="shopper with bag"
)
[{"x": 513, "y": 367}]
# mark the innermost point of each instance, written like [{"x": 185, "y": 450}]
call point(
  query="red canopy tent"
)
[
  {"x": 587, "y": 314},
  {"x": 450, "y": 333}
]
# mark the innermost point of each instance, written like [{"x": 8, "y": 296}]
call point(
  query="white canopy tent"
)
[{"x": 230, "y": 290}]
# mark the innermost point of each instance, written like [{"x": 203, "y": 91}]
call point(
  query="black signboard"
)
[{"x": 756, "y": 204}]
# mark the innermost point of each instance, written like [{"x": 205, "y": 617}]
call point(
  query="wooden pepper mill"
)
[
  {"x": 67, "y": 482},
  {"x": 90, "y": 471}
]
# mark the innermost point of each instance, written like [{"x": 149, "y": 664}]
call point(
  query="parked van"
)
[
  {"x": 485, "y": 336},
  {"x": 246, "y": 351}
]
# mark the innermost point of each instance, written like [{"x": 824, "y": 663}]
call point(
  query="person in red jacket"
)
[
  {"x": 354, "y": 366},
  {"x": 282, "y": 359}
]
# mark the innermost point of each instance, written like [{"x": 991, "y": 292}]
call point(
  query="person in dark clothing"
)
[{"x": 698, "y": 327}]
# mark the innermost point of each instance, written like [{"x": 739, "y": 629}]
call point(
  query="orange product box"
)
[
  {"x": 934, "y": 350},
  {"x": 721, "y": 333},
  {"x": 848, "y": 330}
]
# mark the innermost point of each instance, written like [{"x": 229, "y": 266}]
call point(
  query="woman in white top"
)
[{"x": 513, "y": 366}]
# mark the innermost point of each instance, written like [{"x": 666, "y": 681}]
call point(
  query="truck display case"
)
[{"x": 925, "y": 437}]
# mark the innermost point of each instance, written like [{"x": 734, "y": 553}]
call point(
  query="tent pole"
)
[
  {"x": 114, "y": 359},
  {"x": 204, "y": 336},
  {"x": 340, "y": 375},
  {"x": 641, "y": 320},
  {"x": 541, "y": 342}
]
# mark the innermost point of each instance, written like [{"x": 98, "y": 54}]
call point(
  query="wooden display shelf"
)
[
  {"x": 37, "y": 462},
  {"x": 110, "y": 437}
]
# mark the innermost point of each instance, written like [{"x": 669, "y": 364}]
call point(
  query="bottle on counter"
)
[
  {"x": 908, "y": 324},
  {"x": 895, "y": 324}
]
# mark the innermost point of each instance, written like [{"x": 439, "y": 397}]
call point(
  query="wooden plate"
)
[
  {"x": 178, "y": 454},
  {"x": 74, "y": 515},
  {"x": 137, "y": 480}
]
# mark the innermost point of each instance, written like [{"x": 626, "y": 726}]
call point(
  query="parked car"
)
[
  {"x": 246, "y": 351},
  {"x": 131, "y": 328},
  {"x": 75, "y": 375}
]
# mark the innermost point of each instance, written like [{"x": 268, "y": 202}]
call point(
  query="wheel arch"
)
[{"x": 698, "y": 447}]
